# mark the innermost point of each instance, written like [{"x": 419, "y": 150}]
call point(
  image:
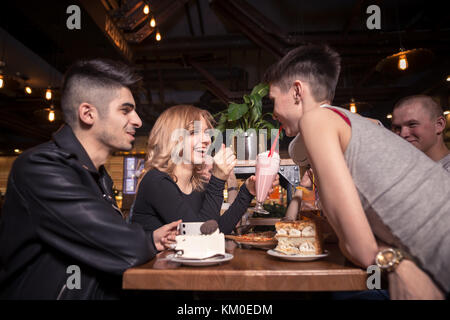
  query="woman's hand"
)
[
  {"x": 164, "y": 237},
  {"x": 409, "y": 282},
  {"x": 224, "y": 162},
  {"x": 250, "y": 183}
]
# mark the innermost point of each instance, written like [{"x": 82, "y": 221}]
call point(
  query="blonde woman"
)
[{"x": 172, "y": 187}]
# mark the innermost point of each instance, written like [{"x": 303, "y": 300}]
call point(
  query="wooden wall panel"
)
[
  {"x": 5, "y": 167},
  {"x": 114, "y": 166}
]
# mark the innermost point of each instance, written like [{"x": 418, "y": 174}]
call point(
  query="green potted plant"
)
[{"x": 246, "y": 119}]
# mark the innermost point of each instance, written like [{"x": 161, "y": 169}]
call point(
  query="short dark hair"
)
[
  {"x": 316, "y": 64},
  {"x": 91, "y": 81},
  {"x": 427, "y": 103}
]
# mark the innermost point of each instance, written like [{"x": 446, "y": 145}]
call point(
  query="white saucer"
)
[
  {"x": 200, "y": 262},
  {"x": 297, "y": 257}
]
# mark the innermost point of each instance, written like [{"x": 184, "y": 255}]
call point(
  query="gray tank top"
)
[
  {"x": 445, "y": 162},
  {"x": 405, "y": 195}
]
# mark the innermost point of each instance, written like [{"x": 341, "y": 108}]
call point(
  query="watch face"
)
[{"x": 386, "y": 258}]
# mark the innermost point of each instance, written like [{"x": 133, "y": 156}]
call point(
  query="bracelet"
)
[{"x": 233, "y": 188}]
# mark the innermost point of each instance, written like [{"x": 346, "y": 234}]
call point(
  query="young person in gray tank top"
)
[{"x": 385, "y": 199}]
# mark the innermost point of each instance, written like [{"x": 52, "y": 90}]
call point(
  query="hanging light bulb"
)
[
  {"x": 51, "y": 114},
  {"x": 48, "y": 94},
  {"x": 448, "y": 79},
  {"x": 446, "y": 112},
  {"x": 158, "y": 36},
  {"x": 146, "y": 9},
  {"x": 353, "y": 106},
  {"x": 389, "y": 116},
  {"x": 153, "y": 22},
  {"x": 28, "y": 90},
  {"x": 402, "y": 62},
  {"x": 2, "y": 82}
]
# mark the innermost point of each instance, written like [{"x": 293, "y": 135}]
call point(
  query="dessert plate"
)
[
  {"x": 262, "y": 240},
  {"x": 268, "y": 244},
  {"x": 259, "y": 244},
  {"x": 297, "y": 257},
  {"x": 200, "y": 262}
]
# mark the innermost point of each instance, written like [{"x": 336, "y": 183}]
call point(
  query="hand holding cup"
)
[{"x": 224, "y": 162}]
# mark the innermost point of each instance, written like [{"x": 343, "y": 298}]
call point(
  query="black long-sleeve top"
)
[{"x": 160, "y": 201}]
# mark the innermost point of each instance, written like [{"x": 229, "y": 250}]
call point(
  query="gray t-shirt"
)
[
  {"x": 404, "y": 193},
  {"x": 445, "y": 162}
]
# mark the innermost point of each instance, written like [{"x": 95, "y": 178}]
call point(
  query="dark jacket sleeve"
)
[{"x": 73, "y": 219}]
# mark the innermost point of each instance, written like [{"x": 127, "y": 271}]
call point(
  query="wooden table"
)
[{"x": 250, "y": 270}]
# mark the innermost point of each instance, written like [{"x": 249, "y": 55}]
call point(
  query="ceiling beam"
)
[
  {"x": 192, "y": 74},
  {"x": 109, "y": 28},
  {"x": 127, "y": 15},
  {"x": 188, "y": 15},
  {"x": 354, "y": 44},
  {"x": 162, "y": 11},
  {"x": 218, "y": 89},
  {"x": 188, "y": 45},
  {"x": 200, "y": 17},
  {"x": 354, "y": 14},
  {"x": 244, "y": 20}
]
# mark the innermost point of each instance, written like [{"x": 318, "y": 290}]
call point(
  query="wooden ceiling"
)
[{"x": 213, "y": 52}]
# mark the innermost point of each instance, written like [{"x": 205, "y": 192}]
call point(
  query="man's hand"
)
[
  {"x": 164, "y": 236},
  {"x": 409, "y": 282},
  {"x": 224, "y": 162},
  {"x": 250, "y": 183}
]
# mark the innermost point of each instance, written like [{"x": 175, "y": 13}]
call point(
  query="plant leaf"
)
[
  {"x": 270, "y": 114},
  {"x": 262, "y": 89},
  {"x": 236, "y": 111},
  {"x": 247, "y": 99},
  {"x": 256, "y": 110},
  {"x": 267, "y": 125}
]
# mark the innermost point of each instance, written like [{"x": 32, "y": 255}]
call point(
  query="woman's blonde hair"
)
[{"x": 160, "y": 144}]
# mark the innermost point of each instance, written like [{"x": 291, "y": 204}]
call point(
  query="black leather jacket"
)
[{"x": 59, "y": 211}]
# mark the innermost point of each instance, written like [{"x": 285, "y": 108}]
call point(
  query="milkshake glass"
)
[{"x": 266, "y": 172}]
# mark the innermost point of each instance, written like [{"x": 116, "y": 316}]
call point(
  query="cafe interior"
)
[{"x": 211, "y": 54}]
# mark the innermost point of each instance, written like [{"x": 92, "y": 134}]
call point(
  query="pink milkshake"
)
[{"x": 266, "y": 172}]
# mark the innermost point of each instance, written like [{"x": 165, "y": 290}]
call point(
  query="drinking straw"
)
[{"x": 272, "y": 149}]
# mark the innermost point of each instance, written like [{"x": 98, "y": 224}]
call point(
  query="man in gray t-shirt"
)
[
  {"x": 445, "y": 161},
  {"x": 419, "y": 120}
]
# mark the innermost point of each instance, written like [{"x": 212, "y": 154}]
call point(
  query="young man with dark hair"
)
[
  {"x": 319, "y": 68},
  {"x": 60, "y": 214},
  {"x": 420, "y": 120}
]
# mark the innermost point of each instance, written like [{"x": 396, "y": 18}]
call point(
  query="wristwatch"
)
[{"x": 388, "y": 259}]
